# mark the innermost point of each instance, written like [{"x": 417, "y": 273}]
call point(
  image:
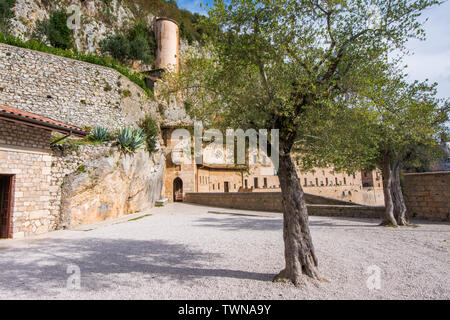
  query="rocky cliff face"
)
[
  {"x": 97, "y": 18},
  {"x": 110, "y": 187}
]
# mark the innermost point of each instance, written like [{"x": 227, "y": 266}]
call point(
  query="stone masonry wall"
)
[
  {"x": 23, "y": 136},
  {"x": 70, "y": 91},
  {"x": 427, "y": 195},
  {"x": 271, "y": 201},
  {"x": 25, "y": 153}
]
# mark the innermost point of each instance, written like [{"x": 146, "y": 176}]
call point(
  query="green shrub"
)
[
  {"x": 100, "y": 134},
  {"x": 55, "y": 30},
  {"x": 151, "y": 130},
  {"x": 126, "y": 93},
  {"x": 131, "y": 140},
  {"x": 6, "y": 13},
  {"x": 140, "y": 50},
  {"x": 117, "y": 46},
  {"x": 136, "y": 44}
]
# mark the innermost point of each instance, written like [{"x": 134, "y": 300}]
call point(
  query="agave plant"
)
[
  {"x": 100, "y": 134},
  {"x": 131, "y": 140}
]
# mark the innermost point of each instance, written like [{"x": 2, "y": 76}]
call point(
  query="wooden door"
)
[{"x": 6, "y": 187}]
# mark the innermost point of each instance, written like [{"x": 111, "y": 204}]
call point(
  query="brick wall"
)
[
  {"x": 20, "y": 135},
  {"x": 271, "y": 201},
  {"x": 428, "y": 195},
  {"x": 24, "y": 153}
]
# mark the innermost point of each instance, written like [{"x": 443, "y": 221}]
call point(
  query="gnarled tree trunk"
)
[
  {"x": 299, "y": 251},
  {"x": 386, "y": 168},
  {"x": 397, "y": 196}
]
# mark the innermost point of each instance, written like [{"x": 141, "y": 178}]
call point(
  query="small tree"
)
[
  {"x": 137, "y": 44},
  {"x": 117, "y": 46},
  {"x": 409, "y": 122},
  {"x": 275, "y": 63},
  {"x": 6, "y": 14},
  {"x": 57, "y": 32},
  {"x": 391, "y": 124},
  {"x": 151, "y": 130}
]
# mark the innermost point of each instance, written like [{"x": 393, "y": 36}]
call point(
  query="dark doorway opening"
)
[
  {"x": 178, "y": 190},
  {"x": 6, "y": 196},
  {"x": 227, "y": 186}
]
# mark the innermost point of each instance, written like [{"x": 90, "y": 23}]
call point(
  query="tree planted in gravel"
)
[
  {"x": 408, "y": 122},
  {"x": 269, "y": 63},
  {"x": 389, "y": 124}
]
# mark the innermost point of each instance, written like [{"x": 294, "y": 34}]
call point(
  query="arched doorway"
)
[{"x": 178, "y": 190}]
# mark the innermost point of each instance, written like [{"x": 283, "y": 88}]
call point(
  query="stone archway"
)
[{"x": 178, "y": 195}]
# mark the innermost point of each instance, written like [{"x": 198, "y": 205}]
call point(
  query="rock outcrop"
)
[{"x": 110, "y": 187}]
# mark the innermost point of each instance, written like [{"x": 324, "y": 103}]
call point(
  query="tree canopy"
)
[{"x": 296, "y": 66}]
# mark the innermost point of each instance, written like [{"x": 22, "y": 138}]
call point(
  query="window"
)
[
  {"x": 218, "y": 186},
  {"x": 255, "y": 183},
  {"x": 306, "y": 182},
  {"x": 275, "y": 173},
  {"x": 326, "y": 181},
  {"x": 345, "y": 181},
  {"x": 336, "y": 180},
  {"x": 321, "y": 183},
  {"x": 317, "y": 182},
  {"x": 246, "y": 183},
  {"x": 214, "y": 186},
  {"x": 265, "y": 182}
]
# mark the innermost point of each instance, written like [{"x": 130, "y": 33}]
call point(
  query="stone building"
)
[
  {"x": 214, "y": 176},
  {"x": 25, "y": 170}
]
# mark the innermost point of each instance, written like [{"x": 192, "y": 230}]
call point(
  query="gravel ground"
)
[{"x": 192, "y": 252}]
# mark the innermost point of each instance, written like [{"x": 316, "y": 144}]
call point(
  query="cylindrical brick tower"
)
[{"x": 167, "y": 43}]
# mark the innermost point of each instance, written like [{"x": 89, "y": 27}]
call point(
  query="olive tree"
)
[{"x": 269, "y": 64}]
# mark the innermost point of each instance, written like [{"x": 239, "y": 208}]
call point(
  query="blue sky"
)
[{"x": 431, "y": 58}]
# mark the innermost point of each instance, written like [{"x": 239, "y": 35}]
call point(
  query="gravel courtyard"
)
[{"x": 192, "y": 252}]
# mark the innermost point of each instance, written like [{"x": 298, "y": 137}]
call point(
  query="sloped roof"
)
[{"x": 17, "y": 115}]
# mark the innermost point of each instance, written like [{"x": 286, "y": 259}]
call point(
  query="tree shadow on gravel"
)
[
  {"x": 238, "y": 222},
  {"x": 241, "y": 223},
  {"x": 41, "y": 269}
]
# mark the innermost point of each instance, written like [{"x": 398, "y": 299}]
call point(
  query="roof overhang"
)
[{"x": 28, "y": 118}]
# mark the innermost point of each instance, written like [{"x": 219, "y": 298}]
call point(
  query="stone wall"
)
[
  {"x": 271, "y": 201},
  {"x": 70, "y": 91},
  {"x": 25, "y": 153},
  {"x": 427, "y": 195}
]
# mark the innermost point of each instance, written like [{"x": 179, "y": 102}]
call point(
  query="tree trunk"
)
[
  {"x": 397, "y": 196},
  {"x": 388, "y": 216},
  {"x": 299, "y": 251}
]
